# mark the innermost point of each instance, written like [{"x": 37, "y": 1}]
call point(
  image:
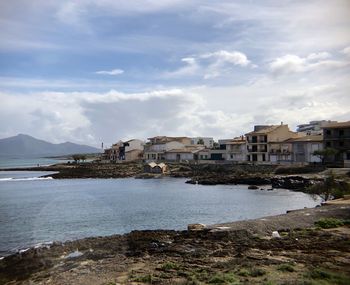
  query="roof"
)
[
  {"x": 337, "y": 125},
  {"x": 188, "y": 149},
  {"x": 312, "y": 138},
  {"x": 265, "y": 130},
  {"x": 152, "y": 164},
  {"x": 161, "y": 165}
]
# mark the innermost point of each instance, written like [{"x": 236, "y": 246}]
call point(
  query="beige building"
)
[
  {"x": 125, "y": 151},
  {"x": 157, "y": 147},
  {"x": 267, "y": 144},
  {"x": 235, "y": 149},
  {"x": 187, "y": 153}
]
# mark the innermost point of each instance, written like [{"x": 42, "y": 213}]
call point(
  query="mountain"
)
[{"x": 24, "y": 146}]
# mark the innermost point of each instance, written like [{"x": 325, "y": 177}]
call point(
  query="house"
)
[
  {"x": 124, "y": 151},
  {"x": 337, "y": 136},
  {"x": 156, "y": 148},
  {"x": 153, "y": 167},
  {"x": 303, "y": 148},
  {"x": 112, "y": 153},
  {"x": 266, "y": 143},
  {"x": 133, "y": 150},
  {"x": 208, "y": 142},
  {"x": 187, "y": 153},
  {"x": 236, "y": 149}
]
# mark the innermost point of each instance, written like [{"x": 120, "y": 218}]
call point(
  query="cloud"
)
[
  {"x": 211, "y": 65},
  {"x": 110, "y": 72},
  {"x": 291, "y": 63},
  {"x": 223, "y": 56},
  {"x": 346, "y": 51}
]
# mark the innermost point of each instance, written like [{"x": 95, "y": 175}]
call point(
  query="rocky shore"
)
[
  {"x": 233, "y": 253},
  {"x": 205, "y": 174}
]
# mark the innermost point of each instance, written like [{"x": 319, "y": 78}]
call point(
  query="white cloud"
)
[
  {"x": 110, "y": 72},
  {"x": 346, "y": 51},
  {"x": 223, "y": 56},
  {"x": 313, "y": 62},
  {"x": 211, "y": 65}
]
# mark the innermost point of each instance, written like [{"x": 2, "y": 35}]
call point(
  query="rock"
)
[
  {"x": 253, "y": 187},
  {"x": 196, "y": 227},
  {"x": 275, "y": 234}
]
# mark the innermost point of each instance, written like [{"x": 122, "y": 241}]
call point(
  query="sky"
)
[{"x": 100, "y": 71}]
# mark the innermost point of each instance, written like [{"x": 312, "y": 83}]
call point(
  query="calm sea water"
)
[
  {"x": 11, "y": 162},
  {"x": 34, "y": 210}
]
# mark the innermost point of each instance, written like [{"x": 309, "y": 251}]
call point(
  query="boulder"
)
[{"x": 196, "y": 227}]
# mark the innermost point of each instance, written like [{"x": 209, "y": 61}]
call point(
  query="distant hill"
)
[{"x": 24, "y": 146}]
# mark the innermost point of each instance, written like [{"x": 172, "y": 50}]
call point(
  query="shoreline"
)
[
  {"x": 156, "y": 247},
  {"x": 205, "y": 174}
]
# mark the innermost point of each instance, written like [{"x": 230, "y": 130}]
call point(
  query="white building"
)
[
  {"x": 313, "y": 127},
  {"x": 304, "y": 147},
  {"x": 208, "y": 142}
]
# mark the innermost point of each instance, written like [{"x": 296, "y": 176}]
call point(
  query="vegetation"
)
[
  {"x": 326, "y": 277},
  {"x": 79, "y": 157},
  {"x": 286, "y": 267},
  {"x": 170, "y": 266},
  {"x": 325, "y": 153},
  {"x": 330, "y": 188},
  {"x": 200, "y": 141},
  {"x": 299, "y": 169},
  {"x": 224, "y": 278},
  {"x": 328, "y": 223}
]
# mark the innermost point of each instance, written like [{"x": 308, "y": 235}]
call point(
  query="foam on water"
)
[{"x": 25, "y": 179}]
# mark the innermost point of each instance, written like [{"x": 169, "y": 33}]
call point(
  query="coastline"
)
[
  {"x": 204, "y": 174},
  {"x": 174, "y": 257}
]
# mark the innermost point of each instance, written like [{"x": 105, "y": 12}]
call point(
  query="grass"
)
[
  {"x": 286, "y": 267},
  {"x": 323, "y": 276},
  {"x": 170, "y": 266},
  {"x": 148, "y": 278},
  {"x": 224, "y": 278},
  {"x": 252, "y": 272},
  {"x": 329, "y": 223}
]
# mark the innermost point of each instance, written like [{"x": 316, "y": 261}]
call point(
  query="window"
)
[
  {"x": 231, "y": 155},
  {"x": 341, "y": 143},
  {"x": 328, "y": 144},
  {"x": 328, "y": 132},
  {"x": 341, "y": 133}
]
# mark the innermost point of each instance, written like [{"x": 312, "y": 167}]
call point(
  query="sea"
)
[{"x": 36, "y": 210}]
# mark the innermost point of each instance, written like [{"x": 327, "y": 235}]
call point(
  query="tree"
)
[
  {"x": 330, "y": 188},
  {"x": 325, "y": 153},
  {"x": 76, "y": 157},
  {"x": 200, "y": 141}
]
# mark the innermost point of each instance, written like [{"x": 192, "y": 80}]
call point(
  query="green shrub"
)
[
  {"x": 256, "y": 272},
  {"x": 328, "y": 223},
  {"x": 224, "y": 278},
  {"x": 170, "y": 266},
  {"x": 286, "y": 267}
]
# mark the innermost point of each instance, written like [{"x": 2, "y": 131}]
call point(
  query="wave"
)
[{"x": 25, "y": 179}]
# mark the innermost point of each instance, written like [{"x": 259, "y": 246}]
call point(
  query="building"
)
[
  {"x": 153, "y": 167},
  {"x": 187, "y": 153},
  {"x": 337, "y": 136},
  {"x": 236, "y": 149},
  {"x": 267, "y": 143},
  {"x": 156, "y": 148},
  {"x": 303, "y": 149},
  {"x": 124, "y": 151},
  {"x": 208, "y": 142},
  {"x": 313, "y": 127}
]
